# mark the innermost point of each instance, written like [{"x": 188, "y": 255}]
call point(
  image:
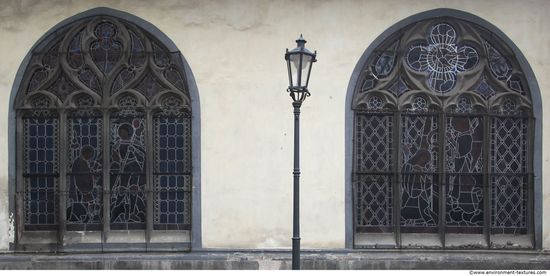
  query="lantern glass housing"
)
[{"x": 299, "y": 63}]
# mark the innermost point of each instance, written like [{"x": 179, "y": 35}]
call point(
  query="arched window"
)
[
  {"x": 442, "y": 153},
  {"x": 104, "y": 138}
]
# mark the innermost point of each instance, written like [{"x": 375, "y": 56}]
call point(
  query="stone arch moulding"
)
[
  {"x": 529, "y": 79},
  {"x": 196, "y": 238}
]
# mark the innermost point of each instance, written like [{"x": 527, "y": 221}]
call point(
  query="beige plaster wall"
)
[{"x": 235, "y": 49}]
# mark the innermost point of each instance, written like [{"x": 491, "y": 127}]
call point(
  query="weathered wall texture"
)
[{"x": 235, "y": 49}]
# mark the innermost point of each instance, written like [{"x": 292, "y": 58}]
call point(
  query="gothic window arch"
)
[
  {"x": 442, "y": 153},
  {"x": 104, "y": 139}
]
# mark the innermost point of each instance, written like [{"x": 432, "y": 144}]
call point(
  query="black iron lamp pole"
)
[{"x": 299, "y": 63}]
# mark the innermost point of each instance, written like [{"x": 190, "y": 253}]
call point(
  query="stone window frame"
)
[
  {"x": 66, "y": 241},
  {"x": 422, "y": 240}
]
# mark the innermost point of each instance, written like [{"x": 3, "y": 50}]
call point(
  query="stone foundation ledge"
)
[{"x": 281, "y": 259}]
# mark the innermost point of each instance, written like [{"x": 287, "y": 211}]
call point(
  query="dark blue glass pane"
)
[
  {"x": 32, "y": 142},
  {"x": 49, "y": 155},
  {"x": 171, "y": 155},
  {"x": 32, "y": 131},
  {"x": 49, "y": 142},
  {"x": 41, "y": 142}
]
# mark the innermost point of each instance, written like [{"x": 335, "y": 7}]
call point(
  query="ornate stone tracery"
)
[
  {"x": 104, "y": 77},
  {"x": 459, "y": 105}
]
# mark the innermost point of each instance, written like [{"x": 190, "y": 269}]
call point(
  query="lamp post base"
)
[{"x": 295, "y": 253}]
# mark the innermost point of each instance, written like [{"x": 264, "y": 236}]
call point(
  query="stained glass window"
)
[
  {"x": 41, "y": 169},
  {"x": 419, "y": 180},
  {"x": 374, "y": 168},
  {"x": 105, "y": 124},
  {"x": 464, "y": 167},
  {"x": 509, "y": 174},
  {"x": 172, "y": 172},
  {"x": 442, "y": 136},
  {"x": 84, "y": 167},
  {"x": 128, "y": 166}
]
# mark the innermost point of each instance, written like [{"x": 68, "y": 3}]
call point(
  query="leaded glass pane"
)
[
  {"x": 419, "y": 202},
  {"x": 509, "y": 180},
  {"x": 127, "y": 171},
  {"x": 150, "y": 86},
  {"x": 508, "y": 145},
  {"x": 75, "y": 59},
  {"x": 173, "y": 145},
  {"x": 369, "y": 82},
  {"x": 41, "y": 203},
  {"x": 106, "y": 51},
  {"x": 172, "y": 206},
  {"x": 464, "y": 204},
  {"x": 88, "y": 78},
  {"x": 515, "y": 83},
  {"x": 41, "y": 173},
  {"x": 419, "y": 185},
  {"x": 172, "y": 202},
  {"x": 500, "y": 66},
  {"x": 138, "y": 54},
  {"x": 464, "y": 145},
  {"x": 385, "y": 62},
  {"x": 174, "y": 76},
  {"x": 373, "y": 156},
  {"x": 46, "y": 65},
  {"x": 160, "y": 57},
  {"x": 84, "y": 174},
  {"x": 41, "y": 145},
  {"x": 399, "y": 87},
  {"x": 374, "y": 143},
  {"x": 464, "y": 167},
  {"x": 123, "y": 78},
  {"x": 374, "y": 203},
  {"x": 62, "y": 87},
  {"x": 419, "y": 144},
  {"x": 509, "y": 204},
  {"x": 484, "y": 89}
]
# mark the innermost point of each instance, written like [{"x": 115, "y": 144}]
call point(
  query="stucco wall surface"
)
[{"x": 235, "y": 49}]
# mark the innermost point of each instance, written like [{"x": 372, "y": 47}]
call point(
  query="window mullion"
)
[
  {"x": 149, "y": 170},
  {"x": 62, "y": 190},
  {"x": 487, "y": 178},
  {"x": 397, "y": 161},
  {"x": 106, "y": 178},
  {"x": 442, "y": 176}
]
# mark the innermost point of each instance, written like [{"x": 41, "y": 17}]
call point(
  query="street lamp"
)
[{"x": 299, "y": 62}]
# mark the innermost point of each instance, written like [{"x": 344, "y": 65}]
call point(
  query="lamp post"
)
[{"x": 299, "y": 62}]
